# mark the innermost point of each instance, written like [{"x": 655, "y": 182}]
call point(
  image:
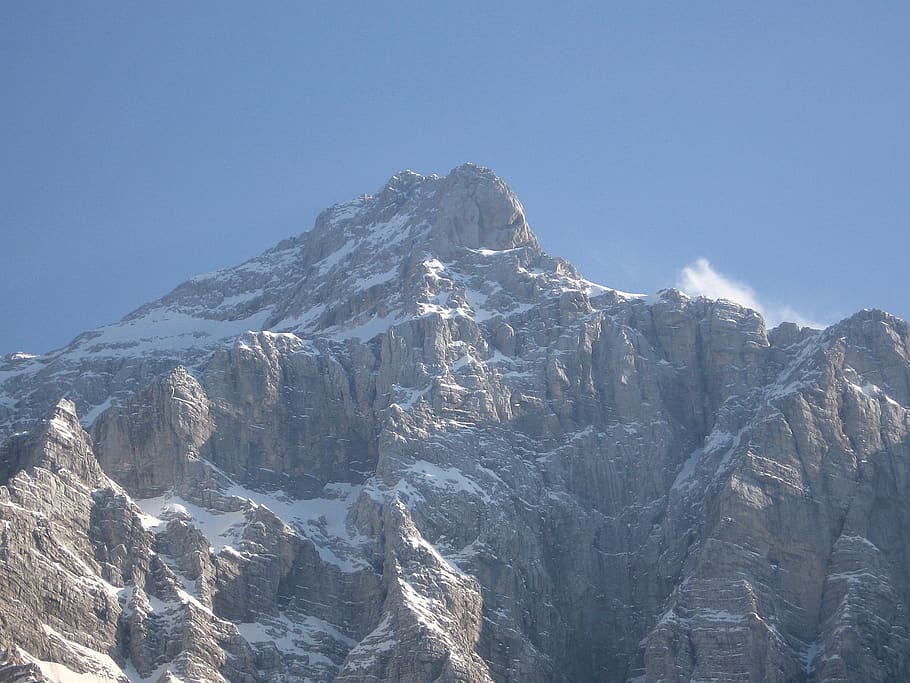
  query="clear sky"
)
[{"x": 751, "y": 149}]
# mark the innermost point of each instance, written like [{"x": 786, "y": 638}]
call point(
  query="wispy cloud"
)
[{"x": 701, "y": 279}]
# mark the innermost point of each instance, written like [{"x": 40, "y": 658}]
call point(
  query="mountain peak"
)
[
  {"x": 403, "y": 181},
  {"x": 470, "y": 208},
  {"x": 478, "y": 210},
  {"x": 459, "y": 246}
]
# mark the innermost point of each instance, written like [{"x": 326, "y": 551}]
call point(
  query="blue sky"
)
[{"x": 758, "y": 150}]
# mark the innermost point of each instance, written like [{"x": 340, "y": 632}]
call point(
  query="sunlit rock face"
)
[{"x": 408, "y": 445}]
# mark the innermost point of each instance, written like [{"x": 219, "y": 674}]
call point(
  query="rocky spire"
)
[
  {"x": 477, "y": 210},
  {"x": 58, "y": 445}
]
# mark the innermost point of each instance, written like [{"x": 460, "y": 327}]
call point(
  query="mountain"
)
[{"x": 410, "y": 445}]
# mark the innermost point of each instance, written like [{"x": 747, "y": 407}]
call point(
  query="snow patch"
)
[
  {"x": 332, "y": 260},
  {"x": 859, "y": 539},
  {"x": 161, "y": 330},
  {"x": 303, "y": 633},
  {"x": 407, "y": 398},
  {"x": 93, "y": 414},
  {"x": 713, "y": 442},
  {"x": 323, "y": 520},
  {"x": 377, "y": 279},
  {"x": 873, "y": 391},
  {"x": 448, "y": 479},
  {"x": 369, "y": 329},
  {"x": 221, "y": 528},
  {"x": 102, "y": 669}
]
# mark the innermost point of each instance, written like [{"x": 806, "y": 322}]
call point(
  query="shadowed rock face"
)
[{"x": 444, "y": 455}]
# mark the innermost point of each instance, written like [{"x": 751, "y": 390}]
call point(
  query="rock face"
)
[
  {"x": 442, "y": 455},
  {"x": 148, "y": 442}
]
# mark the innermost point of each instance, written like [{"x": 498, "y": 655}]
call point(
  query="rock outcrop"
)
[{"x": 442, "y": 455}]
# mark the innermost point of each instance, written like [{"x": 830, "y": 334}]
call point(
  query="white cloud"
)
[{"x": 701, "y": 279}]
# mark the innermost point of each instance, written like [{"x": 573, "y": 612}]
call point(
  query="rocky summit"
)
[{"x": 408, "y": 445}]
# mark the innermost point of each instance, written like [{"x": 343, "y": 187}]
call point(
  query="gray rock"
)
[
  {"x": 441, "y": 454},
  {"x": 147, "y": 442}
]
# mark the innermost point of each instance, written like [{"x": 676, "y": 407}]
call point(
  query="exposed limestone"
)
[
  {"x": 147, "y": 442},
  {"x": 444, "y": 455}
]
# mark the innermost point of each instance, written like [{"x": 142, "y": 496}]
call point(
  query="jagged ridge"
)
[{"x": 366, "y": 265}]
